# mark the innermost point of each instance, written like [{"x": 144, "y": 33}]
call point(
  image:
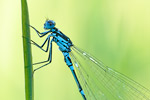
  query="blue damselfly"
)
[{"x": 94, "y": 80}]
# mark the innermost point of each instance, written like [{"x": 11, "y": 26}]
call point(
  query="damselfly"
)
[{"x": 94, "y": 80}]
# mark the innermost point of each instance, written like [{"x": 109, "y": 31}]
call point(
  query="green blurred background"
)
[{"x": 117, "y": 32}]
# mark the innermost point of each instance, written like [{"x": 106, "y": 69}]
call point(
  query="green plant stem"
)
[{"x": 27, "y": 52}]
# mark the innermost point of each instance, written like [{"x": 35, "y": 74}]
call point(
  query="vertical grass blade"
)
[{"x": 27, "y": 52}]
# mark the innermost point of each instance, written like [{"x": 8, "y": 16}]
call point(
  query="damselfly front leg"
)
[{"x": 40, "y": 34}]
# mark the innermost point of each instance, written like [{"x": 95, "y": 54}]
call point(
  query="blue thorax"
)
[{"x": 61, "y": 40}]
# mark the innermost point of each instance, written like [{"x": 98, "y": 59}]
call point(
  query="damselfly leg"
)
[
  {"x": 40, "y": 34},
  {"x": 47, "y": 40},
  {"x": 49, "y": 58}
]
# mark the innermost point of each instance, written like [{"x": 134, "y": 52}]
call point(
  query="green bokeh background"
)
[{"x": 117, "y": 32}]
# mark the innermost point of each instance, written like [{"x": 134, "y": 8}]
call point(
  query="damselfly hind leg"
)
[
  {"x": 41, "y": 47},
  {"x": 49, "y": 58}
]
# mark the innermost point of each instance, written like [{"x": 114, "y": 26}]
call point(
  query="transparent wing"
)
[{"x": 100, "y": 82}]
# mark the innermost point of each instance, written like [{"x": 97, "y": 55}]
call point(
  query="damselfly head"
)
[{"x": 49, "y": 24}]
